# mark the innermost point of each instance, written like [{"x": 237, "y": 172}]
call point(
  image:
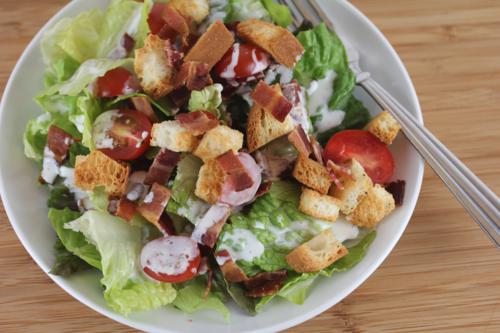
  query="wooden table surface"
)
[{"x": 444, "y": 274}]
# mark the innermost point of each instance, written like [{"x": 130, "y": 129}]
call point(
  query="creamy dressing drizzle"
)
[
  {"x": 229, "y": 72},
  {"x": 247, "y": 248},
  {"x": 170, "y": 255}
]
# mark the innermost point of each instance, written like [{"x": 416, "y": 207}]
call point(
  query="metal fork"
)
[{"x": 482, "y": 204}]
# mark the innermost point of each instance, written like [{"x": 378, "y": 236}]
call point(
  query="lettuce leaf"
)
[
  {"x": 99, "y": 199},
  {"x": 163, "y": 105},
  {"x": 324, "y": 51},
  {"x": 280, "y": 14},
  {"x": 66, "y": 262},
  {"x": 207, "y": 99},
  {"x": 60, "y": 197},
  {"x": 190, "y": 298},
  {"x": 240, "y": 10},
  {"x": 119, "y": 244}
]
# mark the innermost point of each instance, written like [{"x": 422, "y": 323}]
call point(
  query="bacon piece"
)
[
  {"x": 209, "y": 226},
  {"x": 291, "y": 91},
  {"x": 143, "y": 105},
  {"x": 197, "y": 122},
  {"x": 58, "y": 142},
  {"x": 175, "y": 26},
  {"x": 162, "y": 167},
  {"x": 299, "y": 139},
  {"x": 265, "y": 283},
  {"x": 180, "y": 96},
  {"x": 264, "y": 188},
  {"x": 126, "y": 209},
  {"x": 272, "y": 101},
  {"x": 231, "y": 271},
  {"x": 230, "y": 196},
  {"x": 194, "y": 75},
  {"x": 154, "y": 203},
  {"x": 166, "y": 225},
  {"x": 236, "y": 171},
  {"x": 397, "y": 189},
  {"x": 317, "y": 150},
  {"x": 339, "y": 170}
]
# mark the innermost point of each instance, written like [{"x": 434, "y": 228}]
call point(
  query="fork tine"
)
[
  {"x": 306, "y": 10},
  {"x": 319, "y": 12}
]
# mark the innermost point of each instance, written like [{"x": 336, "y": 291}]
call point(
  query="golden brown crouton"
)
[
  {"x": 312, "y": 174},
  {"x": 263, "y": 127},
  {"x": 97, "y": 169},
  {"x": 171, "y": 135},
  {"x": 316, "y": 254},
  {"x": 154, "y": 67},
  {"x": 376, "y": 205},
  {"x": 210, "y": 180},
  {"x": 279, "y": 42},
  {"x": 384, "y": 127},
  {"x": 212, "y": 45},
  {"x": 318, "y": 205},
  {"x": 197, "y": 10},
  {"x": 354, "y": 188},
  {"x": 217, "y": 141}
]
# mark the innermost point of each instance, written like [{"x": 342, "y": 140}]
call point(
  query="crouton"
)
[
  {"x": 376, "y": 205},
  {"x": 279, "y": 42},
  {"x": 312, "y": 174},
  {"x": 171, "y": 135},
  {"x": 196, "y": 10},
  {"x": 210, "y": 180},
  {"x": 354, "y": 188},
  {"x": 318, "y": 205},
  {"x": 154, "y": 67},
  {"x": 384, "y": 127},
  {"x": 97, "y": 169},
  {"x": 317, "y": 253},
  {"x": 217, "y": 141},
  {"x": 263, "y": 127},
  {"x": 212, "y": 45}
]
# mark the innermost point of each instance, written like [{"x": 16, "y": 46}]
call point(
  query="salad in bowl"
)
[{"x": 197, "y": 152}]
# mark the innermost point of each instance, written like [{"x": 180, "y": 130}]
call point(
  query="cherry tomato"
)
[
  {"x": 122, "y": 134},
  {"x": 241, "y": 61},
  {"x": 155, "y": 18},
  {"x": 171, "y": 259},
  {"x": 369, "y": 151},
  {"x": 116, "y": 82}
]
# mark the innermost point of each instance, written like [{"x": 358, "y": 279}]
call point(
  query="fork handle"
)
[{"x": 478, "y": 200}]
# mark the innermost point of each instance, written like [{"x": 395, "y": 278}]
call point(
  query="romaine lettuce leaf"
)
[
  {"x": 163, "y": 105},
  {"x": 280, "y": 14},
  {"x": 240, "y": 10},
  {"x": 60, "y": 71},
  {"x": 119, "y": 244},
  {"x": 60, "y": 197},
  {"x": 190, "y": 298},
  {"x": 99, "y": 199},
  {"x": 207, "y": 99},
  {"x": 66, "y": 262},
  {"x": 87, "y": 111}
]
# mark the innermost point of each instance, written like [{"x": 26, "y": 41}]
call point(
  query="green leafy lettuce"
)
[
  {"x": 240, "y": 10},
  {"x": 119, "y": 245},
  {"x": 280, "y": 14},
  {"x": 207, "y": 99},
  {"x": 163, "y": 105},
  {"x": 60, "y": 197},
  {"x": 66, "y": 262}
]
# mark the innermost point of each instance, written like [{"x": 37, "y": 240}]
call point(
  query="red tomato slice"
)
[
  {"x": 122, "y": 134},
  {"x": 171, "y": 259},
  {"x": 155, "y": 18},
  {"x": 241, "y": 61},
  {"x": 373, "y": 154},
  {"x": 116, "y": 82}
]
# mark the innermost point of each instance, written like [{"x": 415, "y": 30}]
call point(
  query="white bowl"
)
[{"x": 25, "y": 200}]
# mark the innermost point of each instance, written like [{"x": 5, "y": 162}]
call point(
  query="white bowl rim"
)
[{"x": 274, "y": 328}]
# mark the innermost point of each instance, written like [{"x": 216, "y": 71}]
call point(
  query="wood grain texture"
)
[{"x": 443, "y": 276}]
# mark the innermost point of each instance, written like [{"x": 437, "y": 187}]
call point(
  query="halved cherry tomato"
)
[
  {"x": 116, "y": 82},
  {"x": 155, "y": 18},
  {"x": 241, "y": 61},
  {"x": 171, "y": 259},
  {"x": 122, "y": 134},
  {"x": 366, "y": 148}
]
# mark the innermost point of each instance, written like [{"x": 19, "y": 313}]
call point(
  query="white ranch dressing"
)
[
  {"x": 229, "y": 72},
  {"x": 81, "y": 197},
  {"x": 281, "y": 235},
  {"x": 249, "y": 246},
  {"x": 50, "y": 167},
  {"x": 215, "y": 214},
  {"x": 341, "y": 229},
  {"x": 285, "y": 73}
]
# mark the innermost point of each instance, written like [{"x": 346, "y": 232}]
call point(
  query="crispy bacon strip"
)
[
  {"x": 126, "y": 209},
  {"x": 397, "y": 189},
  {"x": 236, "y": 171},
  {"x": 264, "y": 188},
  {"x": 299, "y": 139},
  {"x": 197, "y": 122},
  {"x": 58, "y": 142},
  {"x": 194, "y": 75},
  {"x": 209, "y": 226},
  {"x": 154, "y": 203},
  {"x": 166, "y": 225},
  {"x": 175, "y": 26},
  {"x": 272, "y": 101},
  {"x": 162, "y": 167},
  {"x": 180, "y": 96},
  {"x": 265, "y": 283},
  {"x": 143, "y": 105},
  {"x": 231, "y": 271},
  {"x": 291, "y": 91},
  {"x": 317, "y": 150}
]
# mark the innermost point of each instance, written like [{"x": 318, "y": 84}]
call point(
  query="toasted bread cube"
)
[
  {"x": 318, "y": 205},
  {"x": 317, "y": 253},
  {"x": 279, "y": 42},
  {"x": 217, "y": 141},
  {"x": 212, "y": 45},
  {"x": 263, "y": 127},
  {"x": 97, "y": 169},
  {"x": 384, "y": 127},
  {"x": 355, "y": 188},
  {"x": 196, "y": 10},
  {"x": 376, "y": 205},
  {"x": 210, "y": 180},
  {"x": 171, "y": 135},
  {"x": 154, "y": 67},
  {"x": 312, "y": 174}
]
